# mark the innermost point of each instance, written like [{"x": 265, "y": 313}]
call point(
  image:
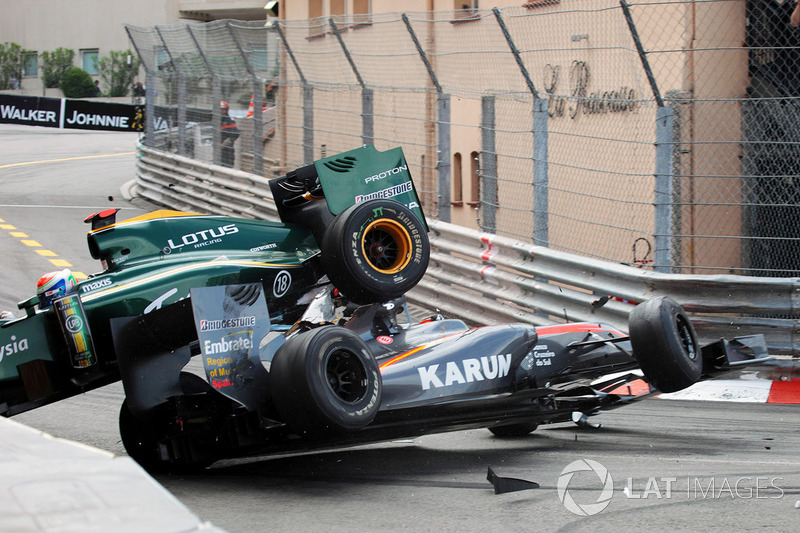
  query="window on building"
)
[
  {"x": 475, "y": 179},
  {"x": 162, "y": 59},
  {"x": 315, "y": 11},
  {"x": 362, "y": 12},
  {"x": 314, "y": 8},
  {"x": 30, "y": 65},
  {"x": 465, "y": 9},
  {"x": 259, "y": 59},
  {"x": 361, "y": 7},
  {"x": 89, "y": 59},
  {"x": 458, "y": 184},
  {"x": 337, "y": 7}
]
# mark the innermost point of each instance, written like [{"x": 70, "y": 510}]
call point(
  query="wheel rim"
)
[
  {"x": 687, "y": 340},
  {"x": 347, "y": 377},
  {"x": 387, "y": 246}
]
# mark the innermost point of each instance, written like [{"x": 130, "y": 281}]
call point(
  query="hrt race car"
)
[{"x": 304, "y": 335}]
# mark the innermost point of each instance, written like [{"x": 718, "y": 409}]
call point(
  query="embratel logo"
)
[{"x": 586, "y": 509}]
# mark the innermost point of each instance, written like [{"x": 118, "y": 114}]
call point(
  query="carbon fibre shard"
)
[{"x": 508, "y": 484}]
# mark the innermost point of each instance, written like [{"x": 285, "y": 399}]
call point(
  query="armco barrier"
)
[{"x": 485, "y": 278}]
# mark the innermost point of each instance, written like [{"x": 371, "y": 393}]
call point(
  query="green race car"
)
[{"x": 352, "y": 219}]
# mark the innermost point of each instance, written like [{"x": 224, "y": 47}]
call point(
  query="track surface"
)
[{"x": 686, "y": 465}]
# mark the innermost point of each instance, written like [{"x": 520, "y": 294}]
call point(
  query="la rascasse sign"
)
[
  {"x": 576, "y": 97},
  {"x": 69, "y": 114}
]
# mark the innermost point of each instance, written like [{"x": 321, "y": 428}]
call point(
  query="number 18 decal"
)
[{"x": 282, "y": 283}]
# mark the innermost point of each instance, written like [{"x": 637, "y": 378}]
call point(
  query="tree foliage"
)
[
  {"x": 10, "y": 65},
  {"x": 54, "y": 64},
  {"x": 77, "y": 83},
  {"x": 115, "y": 72}
]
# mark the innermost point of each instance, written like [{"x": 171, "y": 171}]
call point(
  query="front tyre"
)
[
  {"x": 375, "y": 251},
  {"x": 665, "y": 344}
]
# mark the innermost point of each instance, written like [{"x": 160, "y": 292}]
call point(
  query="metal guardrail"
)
[{"x": 484, "y": 278}]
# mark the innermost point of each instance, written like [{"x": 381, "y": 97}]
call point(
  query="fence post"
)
[
  {"x": 663, "y": 192},
  {"x": 443, "y": 123},
  {"x": 181, "y": 118},
  {"x": 367, "y": 116},
  {"x": 149, "y": 108},
  {"x": 443, "y": 128},
  {"x": 488, "y": 168},
  {"x": 216, "y": 118},
  {"x": 663, "y": 165},
  {"x": 308, "y": 125},
  {"x": 541, "y": 197},
  {"x": 308, "y": 103},
  {"x": 216, "y": 98},
  {"x": 258, "y": 123},
  {"x": 541, "y": 179}
]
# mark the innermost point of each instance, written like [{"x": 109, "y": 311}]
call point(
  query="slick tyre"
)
[
  {"x": 142, "y": 440},
  {"x": 325, "y": 380},
  {"x": 514, "y": 431},
  {"x": 665, "y": 344},
  {"x": 375, "y": 251}
]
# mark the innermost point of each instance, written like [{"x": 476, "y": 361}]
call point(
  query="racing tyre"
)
[
  {"x": 325, "y": 380},
  {"x": 375, "y": 251},
  {"x": 142, "y": 442},
  {"x": 665, "y": 344},
  {"x": 513, "y": 431}
]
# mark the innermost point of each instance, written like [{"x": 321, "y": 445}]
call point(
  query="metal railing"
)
[
  {"x": 484, "y": 278},
  {"x": 656, "y": 132}
]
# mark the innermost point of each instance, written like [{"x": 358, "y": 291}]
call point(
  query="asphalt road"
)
[
  {"x": 684, "y": 465},
  {"x": 50, "y": 180}
]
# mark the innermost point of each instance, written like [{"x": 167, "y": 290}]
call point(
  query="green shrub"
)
[
  {"x": 76, "y": 83},
  {"x": 10, "y": 65},
  {"x": 115, "y": 72},
  {"x": 54, "y": 64}
]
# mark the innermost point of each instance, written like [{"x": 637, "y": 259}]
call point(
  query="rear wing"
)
[{"x": 342, "y": 180}]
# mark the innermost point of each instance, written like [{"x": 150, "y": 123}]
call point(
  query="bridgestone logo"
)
[
  {"x": 241, "y": 322},
  {"x": 386, "y": 193}
]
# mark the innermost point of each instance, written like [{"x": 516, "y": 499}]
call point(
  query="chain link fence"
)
[{"x": 662, "y": 134}]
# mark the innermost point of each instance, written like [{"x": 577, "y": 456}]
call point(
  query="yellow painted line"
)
[
  {"x": 7, "y": 226},
  {"x": 60, "y": 262},
  {"x": 30, "y": 242},
  {"x": 1, "y": 220},
  {"x": 80, "y": 275},
  {"x": 47, "y": 253},
  {"x": 65, "y": 159},
  {"x": 18, "y": 234}
]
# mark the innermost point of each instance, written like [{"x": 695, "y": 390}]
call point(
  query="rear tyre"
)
[
  {"x": 513, "y": 431},
  {"x": 140, "y": 440},
  {"x": 665, "y": 344},
  {"x": 143, "y": 442},
  {"x": 375, "y": 251},
  {"x": 325, "y": 380}
]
